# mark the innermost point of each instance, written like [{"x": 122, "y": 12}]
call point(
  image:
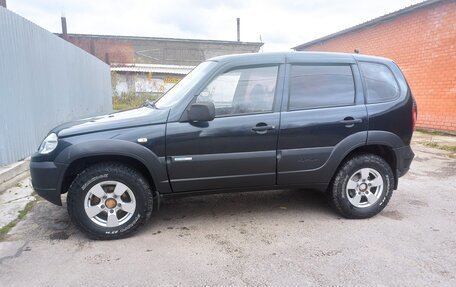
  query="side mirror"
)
[{"x": 201, "y": 112}]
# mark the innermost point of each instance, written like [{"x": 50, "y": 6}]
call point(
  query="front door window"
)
[{"x": 242, "y": 91}]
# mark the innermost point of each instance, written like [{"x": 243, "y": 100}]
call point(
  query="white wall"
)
[{"x": 44, "y": 81}]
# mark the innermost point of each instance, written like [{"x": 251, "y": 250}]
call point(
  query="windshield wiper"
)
[{"x": 149, "y": 103}]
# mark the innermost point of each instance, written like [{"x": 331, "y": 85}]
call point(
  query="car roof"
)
[{"x": 300, "y": 56}]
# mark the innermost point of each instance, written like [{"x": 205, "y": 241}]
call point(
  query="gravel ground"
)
[{"x": 270, "y": 238}]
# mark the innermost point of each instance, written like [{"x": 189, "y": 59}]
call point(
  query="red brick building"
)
[{"x": 421, "y": 39}]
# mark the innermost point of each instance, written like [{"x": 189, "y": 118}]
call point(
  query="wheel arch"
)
[
  {"x": 77, "y": 166},
  {"x": 384, "y": 151},
  {"x": 79, "y": 156}
]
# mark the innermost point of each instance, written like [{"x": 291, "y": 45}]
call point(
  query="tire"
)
[
  {"x": 99, "y": 190},
  {"x": 362, "y": 186}
]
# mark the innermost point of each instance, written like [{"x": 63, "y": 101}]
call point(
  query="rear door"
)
[
  {"x": 238, "y": 148},
  {"x": 324, "y": 108}
]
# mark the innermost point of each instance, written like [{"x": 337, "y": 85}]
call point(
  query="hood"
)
[{"x": 131, "y": 118}]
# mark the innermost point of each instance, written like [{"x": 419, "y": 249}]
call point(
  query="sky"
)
[{"x": 281, "y": 24}]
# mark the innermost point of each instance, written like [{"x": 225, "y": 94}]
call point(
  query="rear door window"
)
[
  {"x": 317, "y": 86},
  {"x": 380, "y": 82}
]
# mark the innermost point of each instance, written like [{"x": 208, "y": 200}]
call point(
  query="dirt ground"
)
[{"x": 270, "y": 238}]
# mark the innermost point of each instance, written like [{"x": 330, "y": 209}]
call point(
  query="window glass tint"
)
[
  {"x": 380, "y": 82},
  {"x": 242, "y": 91},
  {"x": 321, "y": 86}
]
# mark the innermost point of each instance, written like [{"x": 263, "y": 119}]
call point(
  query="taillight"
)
[{"x": 414, "y": 114}]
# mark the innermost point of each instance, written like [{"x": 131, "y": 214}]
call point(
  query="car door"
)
[
  {"x": 323, "y": 114},
  {"x": 236, "y": 149}
]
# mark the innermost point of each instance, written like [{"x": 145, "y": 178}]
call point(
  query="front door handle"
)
[
  {"x": 350, "y": 121},
  {"x": 262, "y": 128}
]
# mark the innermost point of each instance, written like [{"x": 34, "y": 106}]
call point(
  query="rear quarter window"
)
[{"x": 381, "y": 85}]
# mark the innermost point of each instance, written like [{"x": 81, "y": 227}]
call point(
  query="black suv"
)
[{"x": 339, "y": 123}]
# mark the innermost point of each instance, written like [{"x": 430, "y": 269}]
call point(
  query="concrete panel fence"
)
[{"x": 44, "y": 81}]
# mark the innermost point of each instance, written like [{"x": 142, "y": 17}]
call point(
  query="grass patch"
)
[
  {"x": 7, "y": 228},
  {"x": 435, "y": 132},
  {"x": 439, "y": 146},
  {"x": 131, "y": 100},
  {"x": 22, "y": 213}
]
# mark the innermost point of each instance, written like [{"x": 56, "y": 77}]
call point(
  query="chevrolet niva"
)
[{"x": 338, "y": 123}]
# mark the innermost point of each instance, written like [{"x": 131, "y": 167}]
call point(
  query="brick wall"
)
[
  {"x": 107, "y": 50},
  {"x": 423, "y": 44},
  {"x": 150, "y": 50}
]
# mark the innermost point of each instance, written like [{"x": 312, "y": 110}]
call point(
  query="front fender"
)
[{"x": 154, "y": 164}]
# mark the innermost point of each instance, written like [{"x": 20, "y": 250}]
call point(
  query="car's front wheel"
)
[
  {"x": 109, "y": 201},
  {"x": 362, "y": 187}
]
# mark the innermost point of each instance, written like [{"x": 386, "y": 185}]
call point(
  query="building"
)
[
  {"x": 150, "y": 65},
  {"x": 421, "y": 39}
]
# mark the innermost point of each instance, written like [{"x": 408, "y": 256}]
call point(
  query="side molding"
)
[{"x": 324, "y": 173}]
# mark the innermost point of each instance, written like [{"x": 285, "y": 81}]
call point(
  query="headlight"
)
[{"x": 49, "y": 144}]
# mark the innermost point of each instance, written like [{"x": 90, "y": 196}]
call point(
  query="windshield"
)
[{"x": 174, "y": 95}]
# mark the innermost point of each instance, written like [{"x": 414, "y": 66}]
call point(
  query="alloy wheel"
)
[
  {"x": 364, "y": 187},
  {"x": 110, "y": 203}
]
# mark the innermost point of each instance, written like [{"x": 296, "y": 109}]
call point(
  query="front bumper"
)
[
  {"x": 46, "y": 180},
  {"x": 404, "y": 157}
]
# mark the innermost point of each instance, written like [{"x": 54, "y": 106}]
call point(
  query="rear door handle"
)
[
  {"x": 350, "y": 121},
  {"x": 262, "y": 128}
]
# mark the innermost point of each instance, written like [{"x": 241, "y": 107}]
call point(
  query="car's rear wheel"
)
[
  {"x": 109, "y": 201},
  {"x": 362, "y": 186}
]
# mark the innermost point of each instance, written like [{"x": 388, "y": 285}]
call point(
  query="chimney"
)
[
  {"x": 238, "y": 21},
  {"x": 64, "y": 26},
  {"x": 3, "y": 3}
]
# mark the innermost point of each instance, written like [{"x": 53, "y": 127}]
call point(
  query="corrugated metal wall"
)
[{"x": 44, "y": 81}]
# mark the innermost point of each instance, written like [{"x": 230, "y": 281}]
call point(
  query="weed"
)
[
  {"x": 433, "y": 144},
  {"x": 22, "y": 213},
  {"x": 435, "y": 132}
]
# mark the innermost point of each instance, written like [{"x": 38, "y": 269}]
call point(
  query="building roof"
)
[
  {"x": 143, "y": 38},
  {"x": 152, "y": 68},
  {"x": 369, "y": 23},
  {"x": 155, "y": 50}
]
